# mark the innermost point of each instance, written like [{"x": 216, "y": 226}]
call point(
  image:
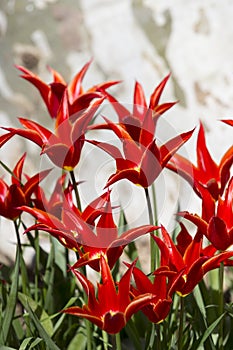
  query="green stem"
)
[
  {"x": 152, "y": 242},
  {"x": 156, "y": 249},
  {"x": 181, "y": 326},
  {"x": 151, "y": 337},
  {"x": 37, "y": 265},
  {"x": 118, "y": 341},
  {"x": 133, "y": 334},
  {"x": 105, "y": 340},
  {"x": 154, "y": 203},
  {"x": 16, "y": 225},
  {"x": 67, "y": 259},
  {"x": 158, "y": 339},
  {"x": 221, "y": 305},
  {"x": 75, "y": 187},
  {"x": 88, "y": 324},
  {"x": 23, "y": 268},
  {"x": 89, "y": 334},
  {"x": 149, "y": 206}
]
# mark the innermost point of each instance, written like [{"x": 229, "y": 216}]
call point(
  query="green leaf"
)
[
  {"x": 60, "y": 258},
  {"x": 49, "y": 278},
  {"x": 28, "y": 343},
  {"x": 25, "y": 343},
  {"x": 42, "y": 332},
  {"x": 33, "y": 344},
  {"x": 78, "y": 342},
  {"x": 44, "y": 317},
  {"x": 122, "y": 223},
  {"x": 6, "y": 348},
  {"x": 199, "y": 299},
  {"x": 132, "y": 332},
  {"x": 209, "y": 330},
  {"x": 11, "y": 302},
  {"x": 19, "y": 328},
  {"x": 61, "y": 318},
  {"x": 24, "y": 276}
]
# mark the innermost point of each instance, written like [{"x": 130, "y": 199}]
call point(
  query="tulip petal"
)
[
  {"x": 155, "y": 97},
  {"x": 217, "y": 233}
]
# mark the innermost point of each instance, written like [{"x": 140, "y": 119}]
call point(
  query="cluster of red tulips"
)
[{"x": 92, "y": 231}]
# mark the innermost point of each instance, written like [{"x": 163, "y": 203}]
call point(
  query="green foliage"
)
[{"x": 31, "y": 319}]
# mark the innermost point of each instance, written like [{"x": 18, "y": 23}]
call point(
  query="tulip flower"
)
[
  {"x": 52, "y": 93},
  {"x": 142, "y": 159},
  {"x": 187, "y": 259},
  {"x": 64, "y": 146},
  {"x": 158, "y": 309},
  {"x": 54, "y": 204},
  {"x": 137, "y": 123},
  {"x": 142, "y": 162},
  {"x": 80, "y": 232},
  {"x": 219, "y": 228},
  {"x": 17, "y": 194},
  {"x": 112, "y": 307},
  {"x": 206, "y": 174}
]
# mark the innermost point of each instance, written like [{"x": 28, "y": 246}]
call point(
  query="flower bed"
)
[{"x": 57, "y": 305}]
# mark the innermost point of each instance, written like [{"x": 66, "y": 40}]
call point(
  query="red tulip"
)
[
  {"x": 52, "y": 93},
  {"x": 206, "y": 174},
  {"x": 219, "y": 228},
  {"x": 142, "y": 162},
  {"x": 137, "y": 123},
  {"x": 64, "y": 146},
  {"x": 112, "y": 307},
  {"x": 142, "y": 159},
  {"x": 157, "y": 309},
  {"x": 18, "y": 194},
  {"x": 81, "y": 232},
  {"x": 187, "y": 259},
  {"x": 54, "y": 204}
]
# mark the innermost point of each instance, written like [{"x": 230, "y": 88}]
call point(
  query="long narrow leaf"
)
[
  {"x": 44, "y": 317},
  {"x": 49, "y": 278},
  {"x": 18, "y": 328},
  {"x": 61, "y": 318},
  {"x": 42, "y": 332},
  {"x": 78, "y": 342},
  {"x": 209, "y": 330},
  {"x": 33, "y": 344},
  {"x": 11, "y": 302},
  {"x": 29, "y": 342}
]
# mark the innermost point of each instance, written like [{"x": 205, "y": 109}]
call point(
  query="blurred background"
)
[{"x": 128, "y": 40}]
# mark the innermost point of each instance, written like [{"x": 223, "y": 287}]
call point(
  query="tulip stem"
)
[
  {"x": 156, "y": 249},
  {"x": 149, "y": 206},
  {"x": 153, "y": 337},
  {"x": 105, "y": 340},
  {"x": 118, "y": 341},
  {"x": 158, "y": 342},
  {"x": 88, "y": 324},
  {"x": 75, "y": 187},
  {"x": 151, "y": 220},
  {"x": 18, "y": 236},
  {"x": 221, "y": 305},
  {"x": 89, "y": 334},
  {"x": 181, "y": 325},
  {"x": 37, "y": 265}
]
